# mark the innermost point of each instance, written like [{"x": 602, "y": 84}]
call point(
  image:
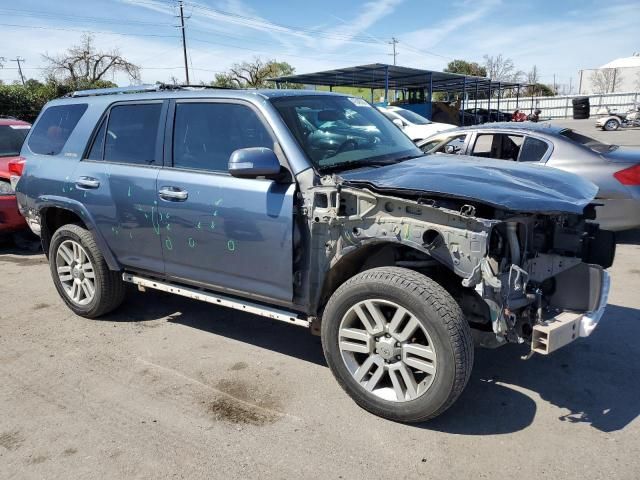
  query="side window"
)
[
  {"x": 54, "y": 127},
  {"x": 132, "y": 134},
  {"x": 206, "y": 134},
  {"x": 97, "y": 149},
  {"x": 452, "y": 145},
  {"x": 498, "y": 146},
  {"x": 533, "y": 150},
  {"x": 430, "y": 145},
  {"x": 482, "y": 147}
]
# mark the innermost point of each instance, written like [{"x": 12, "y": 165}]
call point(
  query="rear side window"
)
[
  {"x": 131, "y": 135},
  {"x": 11, "y": 139},
  {"x": 206, "y": 134},
  {"x": 498, "y": 146},
  {"x": 54, "y": 127},
  {"x": 533, "y": 150}
]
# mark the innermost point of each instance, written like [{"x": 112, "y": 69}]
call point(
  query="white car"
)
[{"x": 415, "y": 126}]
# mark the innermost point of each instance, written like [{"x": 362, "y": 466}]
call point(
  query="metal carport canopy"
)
[{"x": 393, "y": 77}]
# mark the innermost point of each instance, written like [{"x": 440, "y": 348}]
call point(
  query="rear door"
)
[
  {"x": 218, "y": 230},
  {"x": 116, "y": 181}
]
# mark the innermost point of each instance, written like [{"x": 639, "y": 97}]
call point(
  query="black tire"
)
[
  {"x": 109, "y": 286},
  {"x": 611, "y": 125},
  {"x": 439, "y": 315}
]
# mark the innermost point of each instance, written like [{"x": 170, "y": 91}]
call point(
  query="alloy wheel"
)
[
  {"x": 387, "y": 350},
  {"x": 75, "y": 272}
]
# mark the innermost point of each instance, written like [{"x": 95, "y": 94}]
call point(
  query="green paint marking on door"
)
[
  {"x": 129, "y": 191},
  {"x": 213, "y": 225},
  {"x": 231, "y": 245},
  {"x": 192, "y": 242},
  {"x": 156, "y": 224},
  {"x": 168, "y": 244},
  {"x": 199, "y": 226}
]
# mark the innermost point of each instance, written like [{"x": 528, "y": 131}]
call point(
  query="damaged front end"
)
[{"x": 518, "y": 276}]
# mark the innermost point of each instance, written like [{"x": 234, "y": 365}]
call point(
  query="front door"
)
[
  {"x": 117, "y": 182},
  {"x": 218, "y": 230}
]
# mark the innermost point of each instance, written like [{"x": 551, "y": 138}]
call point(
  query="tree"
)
[
  {"x": 533, "y": 77},
  {"x": 466, "y": 68},
  {"x": 502, "y": 69},
  {"x": 255, "y": 74},
  {"x": 85, "y": 66},
  {"x": 606, "y": 80}
]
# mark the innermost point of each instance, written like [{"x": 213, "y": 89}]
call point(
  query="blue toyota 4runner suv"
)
[{"x": 314, "y": 209}]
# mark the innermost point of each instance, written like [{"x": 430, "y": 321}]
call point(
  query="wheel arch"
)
[
  {"x": 367, "y": 256},
  {"x": 55, "y": 213}
]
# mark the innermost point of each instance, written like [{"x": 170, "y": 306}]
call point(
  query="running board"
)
[{"x": 217, "y": 299}]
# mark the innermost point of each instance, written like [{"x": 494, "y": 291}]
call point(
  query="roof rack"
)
[{"x": 158, "y": 87}]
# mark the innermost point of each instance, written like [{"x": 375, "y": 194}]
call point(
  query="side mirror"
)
[
  {"x": 399, "y": 123},
  {"x": 254, "y": 162},
  {"x": 450, "y": 149}
]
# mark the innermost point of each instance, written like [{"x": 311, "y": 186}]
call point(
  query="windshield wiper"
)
[
  {"x": 356, "y": 164},
  {"x": 408, "y": 157}
]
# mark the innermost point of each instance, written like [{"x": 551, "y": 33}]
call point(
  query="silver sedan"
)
[{"x": 615, "y": 170}]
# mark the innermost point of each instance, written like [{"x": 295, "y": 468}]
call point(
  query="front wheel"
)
[
  {"x": 81, "y": 275},
  {"x": 397, "y": 343},
  {"x": 611, "y": 125}
]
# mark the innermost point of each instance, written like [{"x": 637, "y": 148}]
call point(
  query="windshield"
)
[
  {"x": 11, "y": 139},
  {"x": 411, "y": 117},
  {"x": 343, "y": 132},
  {"x": 588, "y": 142}
]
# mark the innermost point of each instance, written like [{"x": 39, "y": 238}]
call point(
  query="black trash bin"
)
[{"x": 581, "y": 108}]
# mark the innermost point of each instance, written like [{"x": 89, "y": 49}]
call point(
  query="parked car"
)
[
  {"x": 414, "y": 125},
  {"x": 255, "y": 200},
  {"x": 12, "y": 135},
  {"x": 482, "y": 115},
  {"x": 616, "y": 170}
]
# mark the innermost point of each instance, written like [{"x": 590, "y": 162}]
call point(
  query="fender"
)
[{"x": 45, "y": 202}]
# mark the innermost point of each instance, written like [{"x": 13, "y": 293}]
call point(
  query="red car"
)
[{"x": 12, "y": 135}]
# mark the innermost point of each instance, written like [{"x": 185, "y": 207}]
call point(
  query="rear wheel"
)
[
  {"x": 81, "y": 274},
  {"x": 397, "y": 343},
  {"x": 611, "y": 125}
]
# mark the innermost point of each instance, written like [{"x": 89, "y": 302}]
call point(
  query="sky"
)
[{"x": 560, "y": 37}]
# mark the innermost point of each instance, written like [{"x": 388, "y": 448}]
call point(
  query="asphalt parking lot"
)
[{"x": 167, "y": 387}]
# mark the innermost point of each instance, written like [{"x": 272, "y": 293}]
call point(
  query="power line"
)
[
  {"x": 87, "y": 31},
  {"x": 70, "y": 18}
]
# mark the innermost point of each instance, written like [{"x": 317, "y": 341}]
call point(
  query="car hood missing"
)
[{"x": 506, "y": 185}]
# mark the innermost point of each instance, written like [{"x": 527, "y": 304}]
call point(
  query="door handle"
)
[
  {"x": 87, "y": 182},
  {"x": 174, "y": 194}
]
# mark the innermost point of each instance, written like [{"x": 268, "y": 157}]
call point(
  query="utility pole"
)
[
  {"x": 18, "y": 60},
  {"x": 184, "y": 41},
  {"x": 394, "y": 41}
]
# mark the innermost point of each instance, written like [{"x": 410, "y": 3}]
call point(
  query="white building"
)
[{"x": 620, "y": 75}]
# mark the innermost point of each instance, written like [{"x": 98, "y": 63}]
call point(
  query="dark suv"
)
[{"x": 314, "y": 209}]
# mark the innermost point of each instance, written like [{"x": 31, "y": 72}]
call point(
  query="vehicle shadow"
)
[
  {"x": 247, "y": 328},
  {"x": 592, "y": 379},
  {"x": 26, "y": 244},
  {"x": 628, "y": 237}
]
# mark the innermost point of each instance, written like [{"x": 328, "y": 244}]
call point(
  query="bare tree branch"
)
[
  {"x": 84, "y": 64},
  {"x": 606, "y": 80}
]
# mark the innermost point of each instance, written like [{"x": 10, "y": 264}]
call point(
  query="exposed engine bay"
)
[{"x": 512, "y": 273}]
